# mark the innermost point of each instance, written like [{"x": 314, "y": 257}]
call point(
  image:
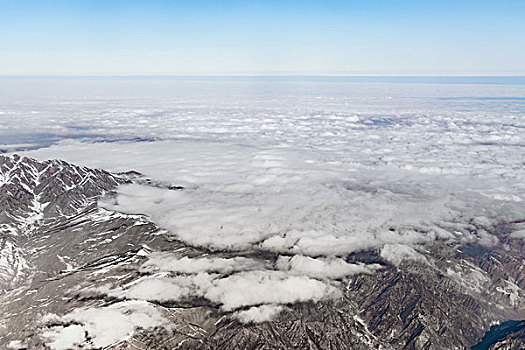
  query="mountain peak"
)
[{"x": 33, "y": 190}]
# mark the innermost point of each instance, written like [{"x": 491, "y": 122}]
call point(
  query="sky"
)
[{"x": 198, "y": 37}]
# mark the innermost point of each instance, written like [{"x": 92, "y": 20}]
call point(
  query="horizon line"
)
[{"x": 357, "y": 75}]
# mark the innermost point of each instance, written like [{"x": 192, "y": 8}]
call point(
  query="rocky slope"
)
[{"x": 59, "y": 252}]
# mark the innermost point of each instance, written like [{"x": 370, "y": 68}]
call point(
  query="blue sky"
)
[{"x": 262, "y": 37}]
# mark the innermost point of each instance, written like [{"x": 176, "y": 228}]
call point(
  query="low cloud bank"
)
[
  {"x": 518, "y": 234},
  {"x": 169, "y": 262},
  {"x": 100, "y": 327},
  {"x": 308, "y": 201},
  {"x": 258, "y": 314},
  {"x": 322, "y": 268},
  {"x": 239, "y": 290},
  {"x": 158, "y": 288},
  {"x": 519, "y": 231},
  {"x": 397, "y": 253},
  {"x": 267, "y": 287}
]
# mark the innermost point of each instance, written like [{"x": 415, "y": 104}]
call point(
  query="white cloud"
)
[
  {"x": 258, "y": 314},
  {"x": 164, "y": 288},
  {"x": 235, "y": 291},
  {"x": 238, "y": 195},
  {"x": 322, "y": 268},
  {"x": 321, "y": 171},
  {"x": 267, "y": 287},
  {"x": 518, "y": 234},
  {"x": 315, "y": 243},
  {"x": 310, "y": 202},
  {"x": 156, "y": 289},
  {"x": 397, "y": 253},
  {"x": 16, "y": 345},
  {"x": 65, "y": 338},
  {"x": 169, "y": 262},
  {"x": 103, "y": 325}
]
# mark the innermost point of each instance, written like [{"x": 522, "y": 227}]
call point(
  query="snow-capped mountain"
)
[
  {"x": 35, "y": 193},
  {"x": 33, "y": 190}
]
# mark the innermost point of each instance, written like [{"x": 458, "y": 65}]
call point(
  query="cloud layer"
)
[{"x": 310, "y": 172}]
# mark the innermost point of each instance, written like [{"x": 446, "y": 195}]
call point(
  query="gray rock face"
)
[
  {"x": 35, "y": 196},
  {"x": 59, "y": 250},
  {"x": 51, "y": 188}
]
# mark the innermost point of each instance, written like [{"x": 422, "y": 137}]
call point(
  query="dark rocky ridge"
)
[
  {"x": 513, "y": 341},
  {"x": 71, "y": 245},
  {"x": 28, "y": 185}
]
